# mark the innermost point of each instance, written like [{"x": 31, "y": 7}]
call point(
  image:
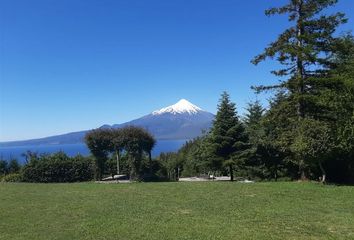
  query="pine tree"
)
[
  {"x": 227, "y": 139},
  {"x": 305, "y": 50},
  {"x": 252, "y": 121},
  {"x": 339, "y": 97},
  {"x": 254, "y": 167}
]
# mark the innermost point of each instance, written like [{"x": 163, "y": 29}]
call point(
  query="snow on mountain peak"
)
[{"x": 182, "y": 106}]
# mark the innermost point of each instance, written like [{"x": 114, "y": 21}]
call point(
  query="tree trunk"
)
[
  {"x": 300, "y": 76},
  {"x": 97, "y": 173},
  {"x": 302, "y": 171},
  {"x": 99, "y": 169},
  {"x": 323, "y": 179},
  {"x": 150, "y": 163},
  {"x": 132, "y": 168},
  {"x": 118, "y": 160},
  {"x": 303, "y": 175},
  {"x": 299, "y": 62},
  {"x": 231, "y": 173},
  {"x": 137, "y": 165}
]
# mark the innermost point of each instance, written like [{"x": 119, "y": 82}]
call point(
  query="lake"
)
[{"x": 79, "y": 148}]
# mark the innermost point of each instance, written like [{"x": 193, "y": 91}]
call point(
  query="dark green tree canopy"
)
[
  {"x": 133, "y": 140},
  {"x": 252, "y": 120},
  {"x": 99, "y": 141},
  {"x": 225, "y": 127},
  {"x": 306, "y": 48},
  {"x": 227, "y": 140},
  {"x": 306, "y": 51}
]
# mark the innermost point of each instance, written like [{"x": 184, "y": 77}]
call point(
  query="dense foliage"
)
[
  {"x": 9, "y": 170},
  {"x": 308, "y": 130},
  {"x": 304, "y": 118},
  {"x": 12, "y": 177},
  {"x": 58, "y": 167},
  {"x": 134, "y": 142},
  {"x": 11, "y": 166}
]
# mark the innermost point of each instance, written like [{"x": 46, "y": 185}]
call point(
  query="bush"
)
[
  {"x": 14, "y": 166},
  {"x": 12, "y": 177},
  {"x": 3, "y": 167},
  {"x": 7, "y": 167},
  {"x": 58, "y": 167}
]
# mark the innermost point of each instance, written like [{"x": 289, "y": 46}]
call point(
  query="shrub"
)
[
  {"x": 12, "y": 177},
  {"x": 58, "y": 167},
  {"x": 14, "y": 166},
  {"x": 7, "y": 167},
  {"x": 3, "y": 167}
]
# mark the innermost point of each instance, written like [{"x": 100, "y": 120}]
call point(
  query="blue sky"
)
[{"x": 71, "y": 65}]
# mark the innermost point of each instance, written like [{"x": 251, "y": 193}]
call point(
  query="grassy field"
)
[{"x": 204, "y": 210}]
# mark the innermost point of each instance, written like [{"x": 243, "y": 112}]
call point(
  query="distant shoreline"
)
[{"x": 9, "y": 152}]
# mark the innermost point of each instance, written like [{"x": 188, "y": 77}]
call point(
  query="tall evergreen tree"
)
[
  {"x": 276, "y": 124},
  {"x": 253, "y": 117},
  {"x": 228, "y": 139},
  {"x": 305, "y": 50},
  {"x": 339, "y": 97},
  {"x": 254, "y": 167}
]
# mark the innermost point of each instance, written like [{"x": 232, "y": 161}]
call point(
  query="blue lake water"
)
[{"x": 79, "y": 148}]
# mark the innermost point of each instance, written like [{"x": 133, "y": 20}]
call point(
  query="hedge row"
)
[{"x": 58, "y": 167}]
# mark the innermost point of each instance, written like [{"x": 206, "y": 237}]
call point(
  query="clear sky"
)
[{"x": 68, "y": 65}]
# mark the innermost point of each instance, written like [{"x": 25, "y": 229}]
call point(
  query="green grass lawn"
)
[{"x": 204, "y": 210}]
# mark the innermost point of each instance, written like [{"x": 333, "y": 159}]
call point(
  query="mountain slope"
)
[
  {"x": 182, "y": 120},
  {"x": 175, "y": 122}
]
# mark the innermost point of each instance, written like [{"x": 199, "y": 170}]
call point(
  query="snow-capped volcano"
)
[
  {"x": 182, "y": 106},
  {"x": 182, "y": 120}
]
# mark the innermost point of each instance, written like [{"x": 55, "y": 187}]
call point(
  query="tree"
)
[
  {"x": 99, "y": 141},
  {"x": 313, "y": 141},
  {"x": 254, "y": 167},
  {"x": 137, "y": 141},
  {"x": 3, "y": 167},
  {"x": 13, "y": 166},
  {"x": 252, "y": 120},
  {"x": 192, "y": 157},
  {"x": 133, "y": 140},
  {"x": 149, "y": 143},
  {"x": 338, "y": 94},
  {"x": 277, "y": 125},
  {"x": 117, "y": 141},
  {"x": 305, "y": 50},
  {"x": 228, "y": 139},
  {"x": 169, "y": 165},
  {"x": 29, "y": 156}
]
